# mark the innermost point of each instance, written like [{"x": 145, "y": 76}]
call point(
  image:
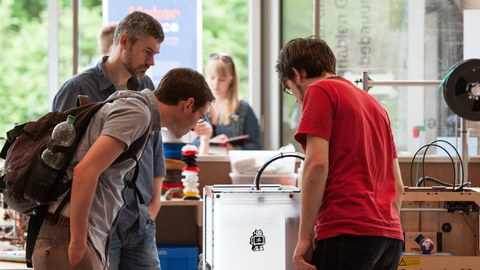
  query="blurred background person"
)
[
  {"x": 229, "y": 116},
  {"x": 105, "y": 39}
]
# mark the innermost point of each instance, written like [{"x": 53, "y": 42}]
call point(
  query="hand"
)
[
  {"x": 76, "y": 252},
  {"x": 220, "y": 138},
  {"x": 204, "y": 130},
  {"x": 230, "y": 147},
  {"x": 303, "y": 255}
]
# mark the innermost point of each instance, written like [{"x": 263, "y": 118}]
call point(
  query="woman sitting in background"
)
[{"x": 228, "y": 116}]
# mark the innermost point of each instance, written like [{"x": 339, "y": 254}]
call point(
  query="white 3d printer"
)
[{"x": 250, "y": 226}]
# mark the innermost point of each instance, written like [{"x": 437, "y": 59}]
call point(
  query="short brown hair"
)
[
  {"x": 183, "y": 83},
  {"x": 311, "y": 54}
]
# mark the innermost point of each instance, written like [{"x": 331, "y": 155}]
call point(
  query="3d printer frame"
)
[{"x": 424, "y": 208}]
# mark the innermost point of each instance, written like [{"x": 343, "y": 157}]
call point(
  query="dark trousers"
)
[{"x": 352, "y": 252}]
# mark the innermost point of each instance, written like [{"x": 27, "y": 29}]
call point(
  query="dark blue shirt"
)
[{"x": 95, "y": 83}]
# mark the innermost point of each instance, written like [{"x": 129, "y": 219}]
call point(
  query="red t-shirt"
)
[{"x": 360, "y": 191}]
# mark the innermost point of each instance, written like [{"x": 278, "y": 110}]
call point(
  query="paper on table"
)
[{"x": 232, "y": 140}]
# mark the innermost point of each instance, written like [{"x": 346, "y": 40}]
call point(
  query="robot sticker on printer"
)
[{"x": 257, "y": 240}]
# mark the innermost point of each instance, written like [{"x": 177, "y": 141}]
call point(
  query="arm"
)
[
  {"x": 159, "y": 172},
  {"x": 314, "y": 180},
  {"x": 156, "y": 202},
  {"x": 85, "y": 179},
  {"x": 398, "y": 185},
  {"x": 204, "y": 131}
]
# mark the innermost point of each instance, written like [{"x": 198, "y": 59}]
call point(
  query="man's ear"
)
[
  {"x": 123, "y": 41},
  {"x": 299, "y": 74},
  {"x": 188, "y": 104}
]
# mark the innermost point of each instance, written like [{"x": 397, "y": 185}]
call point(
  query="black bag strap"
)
[
  {"x": 133, "y": 183},
  {"x": 34, "y": 225},
  {"x": 131, "y": 154}
]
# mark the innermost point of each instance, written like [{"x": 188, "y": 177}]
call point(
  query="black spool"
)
[{"x": 462, "y": 89}]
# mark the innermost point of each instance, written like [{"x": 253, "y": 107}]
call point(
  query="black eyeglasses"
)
[
  {"x": 224, "y": 58},
  {"x": 202, "y": 118},
  {"x": 287, "y": 89}
]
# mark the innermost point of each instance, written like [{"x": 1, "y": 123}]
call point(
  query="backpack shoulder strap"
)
[
  {"x": 134, "y": 148},
  {"x": 82, "y": 100},
  {"x": 132, "y": 153},
  {"x": 34, "y": 224}
]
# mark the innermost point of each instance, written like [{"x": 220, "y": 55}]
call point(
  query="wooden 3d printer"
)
[{"x": 448, "y": 214}]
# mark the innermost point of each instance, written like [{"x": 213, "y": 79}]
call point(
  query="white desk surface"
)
[{"x": 13, "y": 265}]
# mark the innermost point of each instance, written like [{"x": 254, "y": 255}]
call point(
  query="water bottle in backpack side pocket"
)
[
  {"x": 62, "y": 135},
  {"x": 46, "y": 169}
]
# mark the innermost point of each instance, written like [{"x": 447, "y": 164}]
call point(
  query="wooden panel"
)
[
  {"x": 178, "y": 225},
  {"x": 215, "y": 172}
]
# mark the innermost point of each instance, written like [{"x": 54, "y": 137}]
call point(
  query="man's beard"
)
[{"x": 134, "y": 71}]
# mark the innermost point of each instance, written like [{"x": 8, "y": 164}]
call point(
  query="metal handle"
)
[{"x": 256, "y": 180}]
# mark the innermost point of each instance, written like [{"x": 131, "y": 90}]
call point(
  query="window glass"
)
[
  {"x": 292, "y": 27},
  {"x": 395, "y": 40},
  {"x": 24, "y": 35},
  {"x": 225, "y": 30},
  {"x": 24, "y": 43},
  {"x": 89, "y": 26}
]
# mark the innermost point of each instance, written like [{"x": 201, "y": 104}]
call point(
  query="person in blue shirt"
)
[{"x": 228, "y": 116}]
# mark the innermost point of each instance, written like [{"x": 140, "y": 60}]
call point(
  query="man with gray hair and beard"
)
[{"x": 136, "y": 40}]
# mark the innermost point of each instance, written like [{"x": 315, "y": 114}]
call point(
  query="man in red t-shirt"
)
[{"x": 351, "y": 184}]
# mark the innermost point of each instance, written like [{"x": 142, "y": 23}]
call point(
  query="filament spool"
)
[{"x": 462, "y": 89}]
